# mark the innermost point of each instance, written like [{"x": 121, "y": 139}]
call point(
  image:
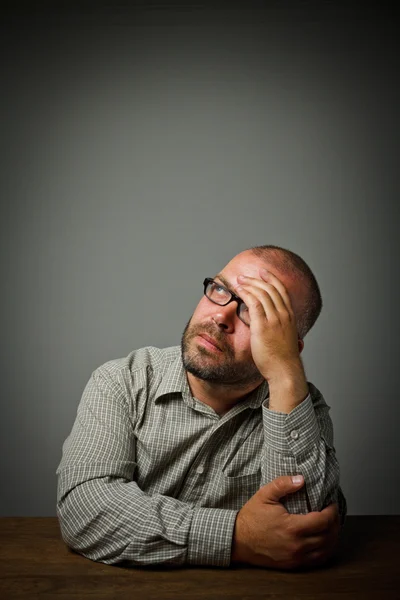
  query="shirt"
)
[{"x": 150, "y": 475}]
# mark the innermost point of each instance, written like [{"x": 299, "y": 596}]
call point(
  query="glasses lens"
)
[
  {"x": 244, "y": 313},
  {"x": 217, "y": 293}
]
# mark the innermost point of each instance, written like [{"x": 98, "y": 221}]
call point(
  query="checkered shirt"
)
[{"x": 150, "y": 475}]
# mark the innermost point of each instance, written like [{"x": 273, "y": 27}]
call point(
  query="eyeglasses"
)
[{"x": 219, "y": 294}]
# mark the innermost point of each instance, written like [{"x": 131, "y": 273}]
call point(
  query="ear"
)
[{"x": 301, "y": 345}]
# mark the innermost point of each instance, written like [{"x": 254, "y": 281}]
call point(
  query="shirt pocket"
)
[
  {"x": 244, "y": 459},
  {"x": 231, "y": 492}
]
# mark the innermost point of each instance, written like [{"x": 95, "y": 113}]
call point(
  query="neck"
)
[{"x": 220, "y": 397}]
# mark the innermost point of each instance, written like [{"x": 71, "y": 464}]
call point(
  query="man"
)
[{"x": 219, "y": 452}]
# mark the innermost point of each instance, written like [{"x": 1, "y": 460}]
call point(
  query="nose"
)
[{"x": 224, "y": 317}]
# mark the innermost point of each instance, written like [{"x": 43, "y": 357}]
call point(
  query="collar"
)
[
  {"x": 174, "y": 381},
  {"x": 259, "y": 395}
]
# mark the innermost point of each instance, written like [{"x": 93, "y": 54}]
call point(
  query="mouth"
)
[{"x": 209, "y": 342}]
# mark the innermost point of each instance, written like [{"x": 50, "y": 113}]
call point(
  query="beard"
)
[{"x": 222, "y": 369}]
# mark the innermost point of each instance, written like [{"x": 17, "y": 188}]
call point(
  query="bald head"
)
[{"x": 292, "y": 265}]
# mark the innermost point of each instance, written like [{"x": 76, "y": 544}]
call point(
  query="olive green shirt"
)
[{"x": 150, "y": 475}]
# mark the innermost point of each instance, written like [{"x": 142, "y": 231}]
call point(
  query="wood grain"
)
[{"x": 35, "y": 563}]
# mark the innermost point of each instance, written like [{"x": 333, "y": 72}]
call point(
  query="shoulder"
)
[
  {"x": 136, "y": 378},
  {"x": 141, "y": 362}
]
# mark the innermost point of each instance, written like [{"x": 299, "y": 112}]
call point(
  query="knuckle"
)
[
  {"x": 286, "y": 317},
  {"x": 296, "y": 522},
  {"x": 256, "y": 304},
  {"x": 280, "y": 484},
  {"x": 274, "y": 320},
  {"x": 296, "y": 550},
  {"x": 292, "y": 529}
]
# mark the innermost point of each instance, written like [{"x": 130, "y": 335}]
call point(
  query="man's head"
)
[
  {"x": 308, "y": 304},
  {"x": 216, "y": 342}
]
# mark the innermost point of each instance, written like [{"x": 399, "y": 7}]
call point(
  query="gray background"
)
[{"x": 141, "y": 149}]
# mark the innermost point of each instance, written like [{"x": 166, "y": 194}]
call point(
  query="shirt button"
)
[
  {"x": 294, "y": 434},
  {"x": 200, "y": 470}
]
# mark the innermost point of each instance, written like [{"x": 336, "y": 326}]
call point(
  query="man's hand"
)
[
  {"x": 266, "y": 535},
  {"x": 274, "y": 339}
]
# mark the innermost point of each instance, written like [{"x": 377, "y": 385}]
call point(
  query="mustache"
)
[{"x": 214, "y": 333}]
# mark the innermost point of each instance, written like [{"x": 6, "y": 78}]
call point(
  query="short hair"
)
[{"x": 290, "y": 263}]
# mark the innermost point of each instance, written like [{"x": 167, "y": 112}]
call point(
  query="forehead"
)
[{"x": 247, "y": 263}]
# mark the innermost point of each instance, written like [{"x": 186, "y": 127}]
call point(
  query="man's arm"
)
[
  {"x": 103, "y": 513},
  {"x": 267, "y": 535},
  {"x": 105, "y": 516},
  {"x": 302, "y": 442},
  {"x": 298, "y": 431}
]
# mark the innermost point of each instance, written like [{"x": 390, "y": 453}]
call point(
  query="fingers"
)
[
  {"x": 317, "y": 558},
  {"x": 319, "y": 541},
  {"x": 280, "y": 487},
  {"x": 260, "y": 304},
  {"x": 313, "y": 551},
  {"x": 261, "y": 289},
  {"x": 271, "y": 284},
  {"x": 277, "y": 284},
  {"x": 318, "y": 550},
  {"x": 266, "y": 299},
  {"x": 326, "y": 539},
  {"x": 315, "y": 523}
]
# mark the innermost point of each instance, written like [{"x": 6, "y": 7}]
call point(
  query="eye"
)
[
  {"x": 219, "y": 289},
  {"x": 219, "y": 293}
]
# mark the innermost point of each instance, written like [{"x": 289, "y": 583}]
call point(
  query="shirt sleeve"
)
[
  {"x": 301, "y": 442},
  {"x": 103, "y": 513}
]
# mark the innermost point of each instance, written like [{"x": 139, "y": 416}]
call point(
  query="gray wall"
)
[{"x": 141, "y": 150}]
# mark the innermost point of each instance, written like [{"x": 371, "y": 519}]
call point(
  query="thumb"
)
[{"x": 281, "y": 486}]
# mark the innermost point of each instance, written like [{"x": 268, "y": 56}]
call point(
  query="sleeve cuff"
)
[
  {"x": 292, "y": 433},
  {"x": 210, "y": 537}
]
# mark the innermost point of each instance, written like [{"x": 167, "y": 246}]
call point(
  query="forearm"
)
[
  {"x": 288, "y": 388},
  {"x": 112, "y": 520},
  {"x": 302, "y": 442},
  {"x": 103, "y": 512}
]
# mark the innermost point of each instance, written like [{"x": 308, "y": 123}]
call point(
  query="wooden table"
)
[{"x": 35, "y": 563}]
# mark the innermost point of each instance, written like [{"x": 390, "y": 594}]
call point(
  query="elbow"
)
[
  {"x": 74, "y": 527},
  {"x": 82, "y": 532}
]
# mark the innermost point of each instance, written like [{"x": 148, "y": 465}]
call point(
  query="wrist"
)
[
  {"x": 238, "y": 553},
  {"x": 286, "y": 373},
  {"x": 287, "y": 390}
]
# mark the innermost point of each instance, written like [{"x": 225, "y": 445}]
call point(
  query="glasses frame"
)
[{"x": 233, "y": 297}]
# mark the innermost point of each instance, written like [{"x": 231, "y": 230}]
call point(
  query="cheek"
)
[
  {"x": 242, "y": 342},
  {"x": 200, "y": 310}
]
